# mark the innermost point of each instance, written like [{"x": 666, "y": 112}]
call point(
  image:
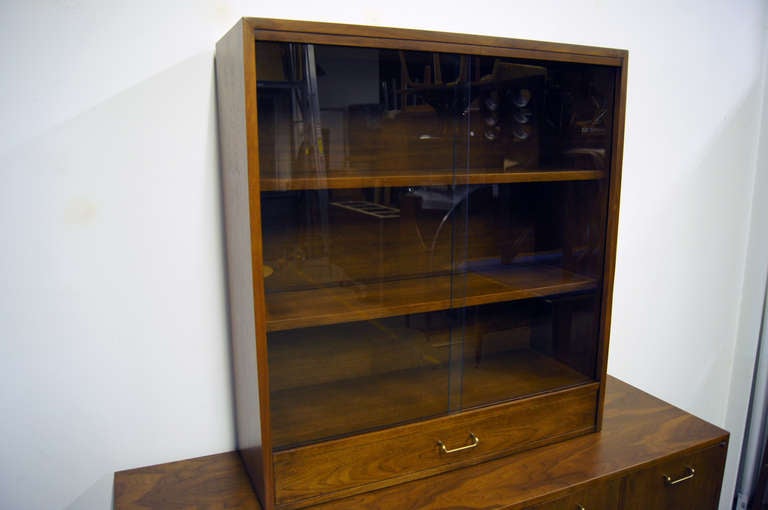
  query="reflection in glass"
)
[{"x": 433, "y": 232}]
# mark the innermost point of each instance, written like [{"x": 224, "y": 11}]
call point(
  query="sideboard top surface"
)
[{"x": 639, "y": 430}]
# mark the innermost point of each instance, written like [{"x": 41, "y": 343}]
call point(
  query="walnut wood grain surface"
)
[
  {"x": 334, "y": 469},
  {"x": 639, "y": 432},
  {"x": 599, "y": 496},
  {"x": 379, "y": 37},
  {"x": 212, "y": 482},
  {"x": 236, "y": 116},
  {"x": 649, "y": 488}
]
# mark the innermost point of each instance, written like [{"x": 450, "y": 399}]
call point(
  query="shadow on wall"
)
[
  {"x": 93, "y": 497},
  {"x": 114, "y": 326}
]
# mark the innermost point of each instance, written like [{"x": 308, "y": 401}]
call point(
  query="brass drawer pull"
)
[
  {"x": 689, "y": 472},
  {"x": 580, "y": 507},
  {"x": 474, "y": 443}
]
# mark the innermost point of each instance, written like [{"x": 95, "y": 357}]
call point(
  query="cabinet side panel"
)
[
  {"x": 231, "y": 69},
  {"x": 612, "y": 229}
]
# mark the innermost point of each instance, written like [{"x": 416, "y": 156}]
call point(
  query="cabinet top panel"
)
[{"x": 409, "y": 39}]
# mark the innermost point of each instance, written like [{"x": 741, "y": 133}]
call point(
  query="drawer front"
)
[
  {"x": 596, "y": 496},
  {"x": 339, "y": 468},
  {"x": 690, "y": 482}
]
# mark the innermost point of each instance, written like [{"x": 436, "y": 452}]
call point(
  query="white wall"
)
[
  {"x": 113, "y": 339},
  {"x": 753, "y": 293}
]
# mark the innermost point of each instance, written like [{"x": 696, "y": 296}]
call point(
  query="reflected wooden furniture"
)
[
  {"x": 623, "y": 467},
  {"x": 420, "y": 272}
]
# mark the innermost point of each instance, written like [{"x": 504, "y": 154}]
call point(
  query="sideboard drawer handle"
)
[
  {"x": 580, "y": 507},
  {"x": 689, "y": 472},
  {"x": 474, "y": 443}
]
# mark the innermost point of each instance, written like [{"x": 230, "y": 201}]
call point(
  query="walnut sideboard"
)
[{"x": 649, "y": 455}]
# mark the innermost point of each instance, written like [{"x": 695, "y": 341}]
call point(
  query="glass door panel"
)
[
  {"x": 352, "y": 377},
  {"x": 541, "y": 240},
  {"x": 433, "y": 231},
  {"x": 357, "y": 194},
  {"x": 337, "y": 117}
]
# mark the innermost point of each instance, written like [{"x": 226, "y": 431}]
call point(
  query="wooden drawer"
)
[
  {"x": 690, "y": 482},
  {"x": 333, "y": 469},
  {"x": 596, "y": 496}
]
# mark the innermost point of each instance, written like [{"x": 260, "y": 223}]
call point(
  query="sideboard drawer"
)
[
  {"x": 690, "y": 482},
  {"x": 596, "y": 496},
  {"x": 378, "y": 459}
]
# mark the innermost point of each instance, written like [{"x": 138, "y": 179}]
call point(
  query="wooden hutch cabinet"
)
[{"x": 421, "y": 232}]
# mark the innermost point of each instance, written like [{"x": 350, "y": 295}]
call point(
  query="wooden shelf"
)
[
  {"x": 489, "y": 283},
  {"x": 313, "y": 413},
  {"x": 355, "y": 178}
]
